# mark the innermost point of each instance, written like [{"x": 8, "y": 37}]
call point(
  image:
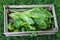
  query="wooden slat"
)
[
  {"x": 27, "y": 6},
  {"x": 5, "y": 21},
  {"x": 55, "y": 19},
  {"x": 29, "y": 34}
]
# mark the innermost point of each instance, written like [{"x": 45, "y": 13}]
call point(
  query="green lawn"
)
[{"x": 29, "y": 2}]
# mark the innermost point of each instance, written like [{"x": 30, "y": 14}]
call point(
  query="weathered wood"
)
[
  {"x": 21, "y": 34},
  {"x": 5, "y": 21},
  {"x": 15, "y": 10},
  {"x": 28, "y": 6},
  {"x": 55, "y": 19}
]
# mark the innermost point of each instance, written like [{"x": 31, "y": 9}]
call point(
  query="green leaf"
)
[
  {"x": 27, "y": 19},
  {"x": 19, "y": 23},
  {"x": 10, "y": 27},
  {"x": 14, "y": 16},
  {"x": 37, "y": 13},
  {"x": 16, "y": 30},
  {"x": 30, "y": 27},
  {"x": 46, "y": 12},
  {"x": 22, "y": 15},
  {"x": 42, "y": 24}
]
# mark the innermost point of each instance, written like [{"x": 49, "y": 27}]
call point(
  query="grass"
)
[{"x": 29, "y": 2}]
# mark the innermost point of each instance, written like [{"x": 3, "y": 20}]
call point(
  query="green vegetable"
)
[
  {"x": 14, "y": 16},
  {"x": 30, "y": 27},
  {"x": 16, "y": 30},
  {"x": 43, "y": 15},
  {"x": 46, "y": 12},
  {"x": 26, "y": 20},
  {"x": 10, "y": 27},
  {"x": 37, "y": 13},
  {"x": 19, "y": 23},
  {"x": 22, "y": 16},
  {"x": 42, "y": 24}
]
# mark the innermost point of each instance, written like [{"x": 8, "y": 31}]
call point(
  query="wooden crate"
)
[{"x": 23, "y": 8}]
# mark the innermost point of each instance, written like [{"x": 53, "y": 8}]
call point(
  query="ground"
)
[{"x": 29, "y": 2}]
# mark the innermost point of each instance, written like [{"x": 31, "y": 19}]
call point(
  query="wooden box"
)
[{"x": 23, "y": 8}]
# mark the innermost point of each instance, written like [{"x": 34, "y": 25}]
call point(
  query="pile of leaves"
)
[{"x": 30, "y": 20}]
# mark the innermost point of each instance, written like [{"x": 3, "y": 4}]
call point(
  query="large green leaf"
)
[
  {"x": 14, "y": 16},
  {"x": 43, "y": 15},
  {"x": 22, "y": 16},
  {"x": 46, "y": 12},
  {"x": 42, "y": 24},
  {"x": 37, "y": 13},
  {"x": 27, "y": 19},
  {"x": 33, "y": 13}
]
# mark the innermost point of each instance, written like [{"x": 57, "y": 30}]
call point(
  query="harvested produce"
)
[{"x": 26, "y": 20}]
